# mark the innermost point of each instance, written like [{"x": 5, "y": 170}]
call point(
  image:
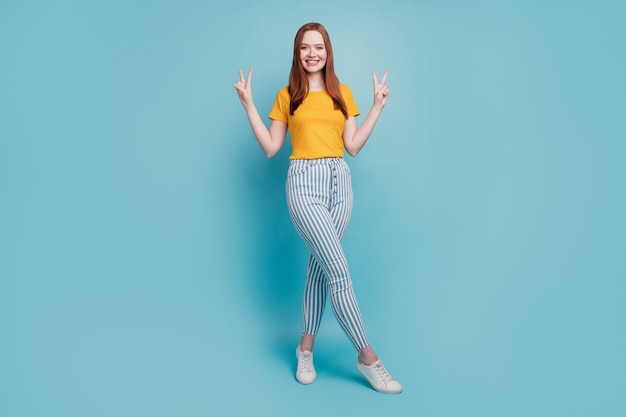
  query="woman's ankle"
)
[
  {"x": 367, "y": 356},
  {"x": 306, "y": 342}
]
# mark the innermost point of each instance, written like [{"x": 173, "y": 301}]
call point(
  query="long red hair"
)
[{"x": 298, "y": 81}]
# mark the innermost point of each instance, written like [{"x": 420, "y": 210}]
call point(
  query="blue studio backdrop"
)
[{"x": 148, "y": 265}]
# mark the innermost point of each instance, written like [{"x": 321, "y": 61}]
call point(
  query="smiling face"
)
[{"x": 313, "y": 51}]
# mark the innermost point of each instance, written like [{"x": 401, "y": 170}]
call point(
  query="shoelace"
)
[
  {"x": 305, "y": 363},
  {"x": 382, "y": 373}
]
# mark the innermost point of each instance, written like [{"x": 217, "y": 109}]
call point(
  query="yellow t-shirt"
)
[{"x": 316, "y": 126}]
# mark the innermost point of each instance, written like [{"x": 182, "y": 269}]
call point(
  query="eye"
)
[{"x": 319, "y": 48}]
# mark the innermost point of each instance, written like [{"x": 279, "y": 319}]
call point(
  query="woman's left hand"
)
[{"x": 381, "y": 90}]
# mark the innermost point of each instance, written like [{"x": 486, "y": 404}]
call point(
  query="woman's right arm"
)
[{"x": 271, "y": 140}]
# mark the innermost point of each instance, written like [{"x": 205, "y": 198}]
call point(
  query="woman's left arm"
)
[{"x": 354, "y": 138}]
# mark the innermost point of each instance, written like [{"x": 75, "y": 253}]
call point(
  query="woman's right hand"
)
[
  {"x": 244, "y": 88},
  {"x": 381, "y": 90}
]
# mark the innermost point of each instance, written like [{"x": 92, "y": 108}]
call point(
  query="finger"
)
[
  {"x": 249, "y": 77},
  {"x": 374, "y": 77},
  {"x": 384, "y": 77},
  {"x": 241, "y": 79}
]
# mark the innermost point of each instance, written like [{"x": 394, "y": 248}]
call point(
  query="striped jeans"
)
[{"x": 319, "y": 198}]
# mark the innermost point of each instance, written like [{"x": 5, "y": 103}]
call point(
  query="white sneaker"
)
[
  {"x": 305, "y": 374},
  {"x": 379, "y": 378}
]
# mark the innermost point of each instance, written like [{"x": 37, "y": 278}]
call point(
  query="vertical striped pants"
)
[{"x": 319, "y": 199}]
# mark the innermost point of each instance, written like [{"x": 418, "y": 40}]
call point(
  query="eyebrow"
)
[{"x": 315, "y": 44}]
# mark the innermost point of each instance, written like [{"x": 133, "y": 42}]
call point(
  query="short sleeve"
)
[
  {"x": 348, "y": 98},
  {"x": 280, "y": 109}
]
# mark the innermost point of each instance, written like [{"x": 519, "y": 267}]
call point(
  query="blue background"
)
[{"x": 148, "y": 265}]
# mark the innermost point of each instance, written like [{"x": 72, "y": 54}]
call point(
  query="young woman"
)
[{"x": 320, "y": 114}]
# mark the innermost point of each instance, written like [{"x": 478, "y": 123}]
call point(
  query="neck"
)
[{"x": 316, "y": 81}]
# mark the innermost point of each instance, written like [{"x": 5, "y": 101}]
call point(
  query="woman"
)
[{"x": 320, "y": 114}]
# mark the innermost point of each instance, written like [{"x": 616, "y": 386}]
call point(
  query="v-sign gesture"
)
[
  {"x": 244, "y": 88},
  {"x": 381, "y": 90}
]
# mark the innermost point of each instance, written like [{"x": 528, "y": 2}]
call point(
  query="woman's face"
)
[{"x": 312, "y": 51}]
